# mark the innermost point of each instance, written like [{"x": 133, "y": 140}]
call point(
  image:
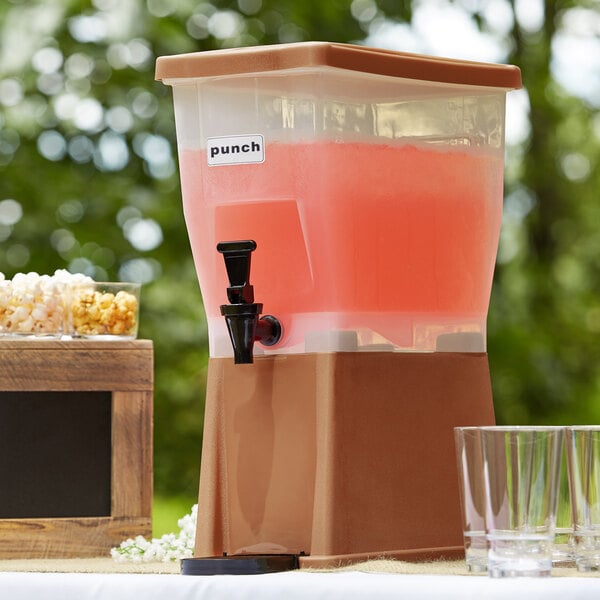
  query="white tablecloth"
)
[{"x": 295, "y": 585}]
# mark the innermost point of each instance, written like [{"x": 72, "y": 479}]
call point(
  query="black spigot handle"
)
[
  {"x": 237, "y": 255},
  {"x": 242, "y": 315}
]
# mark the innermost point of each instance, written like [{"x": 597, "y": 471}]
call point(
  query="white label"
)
[{"x": 235, "y": 150}]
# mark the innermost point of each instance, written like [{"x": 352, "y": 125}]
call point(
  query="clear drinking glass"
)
[
  {"x": 563, "y": 551},
  {"x": 521, "y": 473},
  {"x": 583, "y": 462},
  {"x": 469, "y": 460}
]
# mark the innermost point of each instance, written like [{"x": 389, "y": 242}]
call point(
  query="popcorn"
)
[
  {"x": 101, "y": 310},
  {"x": 32, "y": 304},
  {"x": 64, "y": 303},
  {"x": 63, "y": 276}
]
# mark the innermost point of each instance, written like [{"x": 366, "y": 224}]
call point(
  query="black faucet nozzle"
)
[{"x": 242, "y": 315}]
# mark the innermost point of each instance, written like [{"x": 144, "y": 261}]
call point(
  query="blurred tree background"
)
[{"x": 89, "y": 179}]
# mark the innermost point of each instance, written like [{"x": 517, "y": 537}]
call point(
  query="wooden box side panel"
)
[
  {"x": 131, "y": 480},
  {"x": 67, "y": 538},
  {"x": 77, "y": 365}
]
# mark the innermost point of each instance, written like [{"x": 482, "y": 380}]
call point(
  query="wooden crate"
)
[{"x": 75, "y": 446}]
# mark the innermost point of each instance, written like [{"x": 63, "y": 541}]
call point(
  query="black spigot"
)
[{"x": 242, "y": 315}]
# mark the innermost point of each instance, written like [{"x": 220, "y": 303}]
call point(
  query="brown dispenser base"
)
[{"x": 337, "y": 457}]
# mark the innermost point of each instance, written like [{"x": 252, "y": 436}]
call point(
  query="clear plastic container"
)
[
  {"x": 371, "y": 181},
  {"x": 32, "y": 306},
  {"x": 104, "y": 310}
]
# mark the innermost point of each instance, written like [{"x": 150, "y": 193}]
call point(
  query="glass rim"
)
[
  {"x": 583, "y": 427},
  {"x": 511, "y": 428}
]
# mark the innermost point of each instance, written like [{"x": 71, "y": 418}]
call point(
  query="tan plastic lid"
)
[{"x": 260, "y": 59}]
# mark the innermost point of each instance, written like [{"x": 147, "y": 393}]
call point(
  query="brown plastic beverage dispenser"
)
[{"x": 343, "y": 205}]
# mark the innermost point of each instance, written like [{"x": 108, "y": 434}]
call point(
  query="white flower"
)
[{"x": 168, "y": 548}]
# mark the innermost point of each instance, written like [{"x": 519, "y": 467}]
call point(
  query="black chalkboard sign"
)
[{"x": 55, "y": 454}]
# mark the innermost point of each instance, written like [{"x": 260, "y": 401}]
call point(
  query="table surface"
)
[{"x": 421, "y": 582}]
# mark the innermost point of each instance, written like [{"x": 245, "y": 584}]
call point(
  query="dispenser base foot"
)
[{"x": 242, "y": 564}]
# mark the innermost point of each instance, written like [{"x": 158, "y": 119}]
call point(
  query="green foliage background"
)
[{"x": 545, "y": 310}]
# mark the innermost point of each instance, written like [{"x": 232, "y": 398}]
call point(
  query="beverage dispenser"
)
[{"x": 343, "y": 205}]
